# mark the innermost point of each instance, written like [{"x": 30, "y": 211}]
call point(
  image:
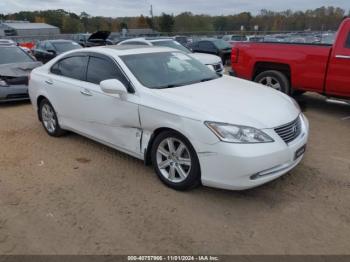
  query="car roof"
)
[{"x": 149, "y": 39}]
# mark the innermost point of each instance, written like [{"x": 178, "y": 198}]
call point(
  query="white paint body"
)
[{"x": 127, "y": 123}]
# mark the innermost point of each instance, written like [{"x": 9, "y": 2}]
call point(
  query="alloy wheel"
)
[
  {"x": 48, "y": 118},
  {"x": 173, "y": 160},
  {"x": 271, "y": 82}
]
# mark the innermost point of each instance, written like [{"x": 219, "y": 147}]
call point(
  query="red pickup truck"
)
[{"x": 296, "y": 68}]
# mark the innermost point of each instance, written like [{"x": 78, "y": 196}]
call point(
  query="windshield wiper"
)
[{"x": 168, "y": 86}]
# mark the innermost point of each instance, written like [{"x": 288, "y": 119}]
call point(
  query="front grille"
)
[{"x": 290, "y": 131}]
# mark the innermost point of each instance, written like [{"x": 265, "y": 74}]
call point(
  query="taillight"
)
[{"x": 234, "y": 55}]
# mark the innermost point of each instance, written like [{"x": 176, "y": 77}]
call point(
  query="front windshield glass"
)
[
  {"x": 13, "y": 54},
  {"x": 172, "y": 44},
  {"x": 167, "y": 69},
  {"x": 221, "y": 44},
  {"x": 62, "y": 47}
]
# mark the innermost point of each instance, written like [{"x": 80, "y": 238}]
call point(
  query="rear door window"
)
[
  {"x": 73, "y": 67},
  {"x": 100, "y": 69}
]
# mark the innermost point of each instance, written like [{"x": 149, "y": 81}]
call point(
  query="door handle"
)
[
  {"x": 343, "y": 56},
  {"x": 85, "y": 92},
  {"x": 49, "y": 82}
]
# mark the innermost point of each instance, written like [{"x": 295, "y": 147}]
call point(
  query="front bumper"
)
[
  {"x": 13, "y": 93},
  {"x": 243, "y": 166}
]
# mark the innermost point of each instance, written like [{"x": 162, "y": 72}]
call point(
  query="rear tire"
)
[
  {"x": 175, "y": 161},
  {"x": 49, "y": 119},
  {"x": 274, "y": 79}
]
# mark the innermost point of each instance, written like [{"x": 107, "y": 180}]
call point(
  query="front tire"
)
[
  {"x": 49, "y": 119},
  {"x": 275, "y": 80},
  {"x": 175, "y": 161}
]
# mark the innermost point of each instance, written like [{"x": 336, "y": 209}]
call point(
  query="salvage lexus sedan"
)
[{"x": 168, "y": 109}]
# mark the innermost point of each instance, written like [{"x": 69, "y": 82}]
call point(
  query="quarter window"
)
[
  {"x": 72, "y": 67},
  {"x": 100, "y": 69}
]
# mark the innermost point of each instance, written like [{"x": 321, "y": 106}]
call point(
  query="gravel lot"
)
[{"x": 71, "y": 195}]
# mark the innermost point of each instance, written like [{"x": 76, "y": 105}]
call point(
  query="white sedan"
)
[
  {"x": 214, "y": 62},
  {"x": 168, "y": 109}
]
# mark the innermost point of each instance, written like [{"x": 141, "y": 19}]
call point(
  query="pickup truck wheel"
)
[{"x": 275, "y": 80}]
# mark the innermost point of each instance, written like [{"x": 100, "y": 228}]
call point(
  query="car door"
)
[
  {"x": 50, "y": 52},
  {"x": 338, "y": 76},
  {"x": 208, "y": 47},
  {"x": 64, "y": 85},
  {"x": 110, "y": 118},
  {"x": 38, "y": 51}
]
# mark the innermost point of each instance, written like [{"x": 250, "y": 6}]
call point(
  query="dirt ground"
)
[{"x": 71, "y": 195}]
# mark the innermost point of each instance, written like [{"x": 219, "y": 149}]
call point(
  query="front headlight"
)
[
  {"x": 3, "y": 82},
  {"x": 211, "y": 67},
  {"x": 238, "y": 134}
]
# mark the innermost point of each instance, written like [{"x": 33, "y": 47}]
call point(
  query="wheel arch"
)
[
  {"x": 155, "y": 133},
  {"x": 261, "y": 67}
]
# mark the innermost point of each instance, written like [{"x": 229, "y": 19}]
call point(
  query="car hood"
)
[
  {"x": 206, "y": 58},
  {"x": 18, "y": 69},
  {"x": 100, "y": 35},
  {"x": 231, "y": 100}
]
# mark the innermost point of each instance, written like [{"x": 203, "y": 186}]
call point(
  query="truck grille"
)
[{"x": 290, "y": 131}]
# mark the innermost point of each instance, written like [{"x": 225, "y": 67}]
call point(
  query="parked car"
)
[
  {"x": 7, "y": 42},
  {"x": 99, "y": 38},
  {"x": 184, "y": 40},
  {"x": 296, "y": 68},
  {"x": 217, "y": 47},
  {"x": 211, "y": 61},
  {"x": 166, "y": 108},
  {"x": 15, "y": 66},
  {"x": 234, "y": 38},
  {"x": 44, "y": 51}
]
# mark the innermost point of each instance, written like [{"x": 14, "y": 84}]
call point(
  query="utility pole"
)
[{"x": 151, "y": 13}]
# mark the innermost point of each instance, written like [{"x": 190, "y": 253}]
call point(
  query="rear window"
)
[
  {"x": 172, "y": 44},
  {"x": 13, "y": 54},
  {"x": 62, "y": 47}
]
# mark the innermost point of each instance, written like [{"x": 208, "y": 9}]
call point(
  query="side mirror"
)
[
  {"x": 52, "y": 52},
  {"x": 113, "y": 86}
]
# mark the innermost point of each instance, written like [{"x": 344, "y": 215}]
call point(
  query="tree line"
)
[{"x": 323, "y": 18}]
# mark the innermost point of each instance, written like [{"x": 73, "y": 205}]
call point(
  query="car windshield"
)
[
  {"x": 13, "y": 54},
  {"x": 221, "y": 44},
  {"x": 62, "y": 47},
  {"x": 172, "y": 44},
  {"x": 167, "y": 69}
]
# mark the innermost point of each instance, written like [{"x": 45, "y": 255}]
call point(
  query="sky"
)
[{"x": 121, "y": 8}]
